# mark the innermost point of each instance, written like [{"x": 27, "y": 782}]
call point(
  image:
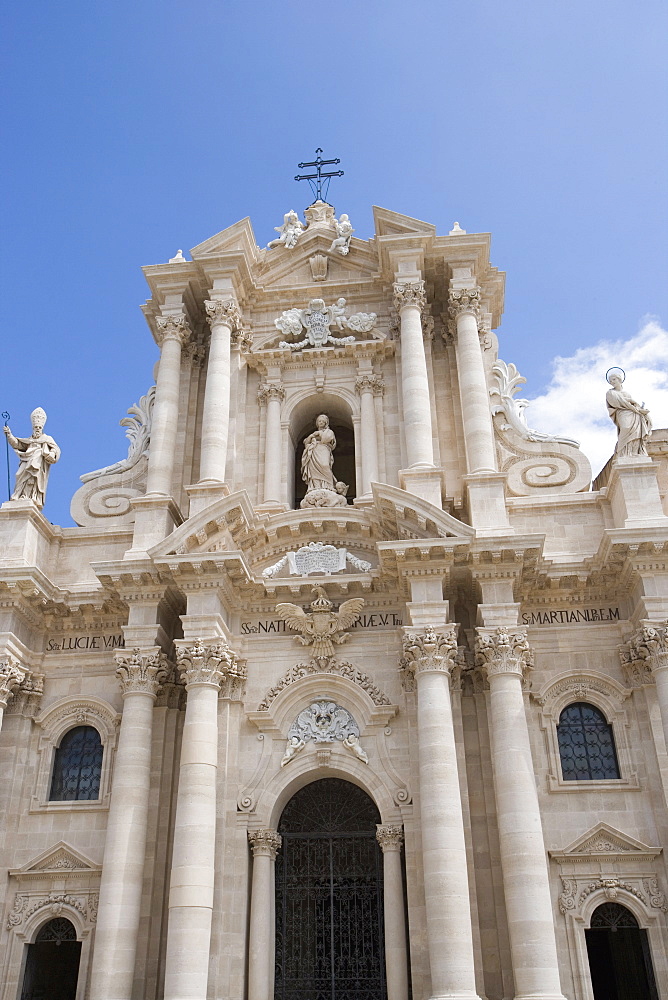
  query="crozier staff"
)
[
  {"x": 631, "y": 419},
  {"x": 36, "y": 455}
]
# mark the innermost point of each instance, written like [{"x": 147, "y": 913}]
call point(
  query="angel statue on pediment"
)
[{"x": 289, "y": 232}]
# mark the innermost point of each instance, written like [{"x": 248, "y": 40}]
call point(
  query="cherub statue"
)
[
  {"x": 289, "y": 232},
  {"x": 344, "y": 232},
  {"x": 37, "y": 454},
  {"x": 295, "y": 744},
  {"x": 322, "y": 627},
  {"x": 352, "y": 743}
]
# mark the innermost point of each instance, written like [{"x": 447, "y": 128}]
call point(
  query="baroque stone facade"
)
[{"x": 170, "y": 671}]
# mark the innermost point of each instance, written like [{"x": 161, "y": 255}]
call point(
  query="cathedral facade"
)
[{"x": 255, "y": 746}]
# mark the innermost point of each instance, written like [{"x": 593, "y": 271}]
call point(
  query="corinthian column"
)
[
  {"x": 265, "y": 844},
  {"x": 409, "y": 300},
  {"x": 173, "y": 333},
  {"x": 224, "y": 317},
  {"x": 273, "y": 395},
  {"x": 429, "y": 654},
  {"x": 11, "y": 677},
  {"x": 464, "y": 309},
  {"x": 506, "y": 657},
  {"x": 647, "y": 653},
  {"x": 365, "y": 385},
  {"x": 390, "y": 839},
  {"x": 140, "y": 674},
  {"x": 205, "y": 666}
]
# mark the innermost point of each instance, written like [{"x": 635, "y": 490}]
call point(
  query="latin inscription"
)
[
  {"x": 85, "y": 642},
  {"x": 376, "y": 620},
  {"x": 570, "y": 616}
]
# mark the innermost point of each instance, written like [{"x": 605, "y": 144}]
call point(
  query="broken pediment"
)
[
  {"x": 239, "y": 237},
  {"x": 389, "y": 223},
  {"x": 62, "y": 860},
  {"x": 603, "y": 842}
]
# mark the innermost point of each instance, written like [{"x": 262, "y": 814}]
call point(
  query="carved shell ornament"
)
[{"x": 321, "y": 627}]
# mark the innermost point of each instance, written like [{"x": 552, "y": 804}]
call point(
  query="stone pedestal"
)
[
  {"x": 265, "y": 845},
  {"x": 429, "y": 655},
  {"x": 633, "y": 492},
  {"x": 504, "y": 654},
  {"x": 140, "y": 674}
]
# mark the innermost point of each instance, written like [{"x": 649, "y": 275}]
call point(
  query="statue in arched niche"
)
[{"x": 317, "y": 468}]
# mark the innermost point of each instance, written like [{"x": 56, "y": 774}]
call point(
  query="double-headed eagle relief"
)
[
  {"x": 322, "y": 627},
  {"x": 317, "y": 320}
]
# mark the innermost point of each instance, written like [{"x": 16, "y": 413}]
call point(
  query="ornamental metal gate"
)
[{"x": 329, "y": 896}]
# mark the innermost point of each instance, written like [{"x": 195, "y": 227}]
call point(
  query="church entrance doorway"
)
[
  {"x": 619, "y": 957},
  {"x": 329, "y": 896},
  {"x": 52, "y": 966}
]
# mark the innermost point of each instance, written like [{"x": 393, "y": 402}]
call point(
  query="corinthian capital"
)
[
  {"x": 429, "y": 649},
  {"x": 224, "y": 311},
  {"x": 173, "y": 328},
  {"x": 462, "y": 301},
  {"x": 390, "y": 838},
  {"x": 264, "y": 843},
  {"x": 368, "y": 382},
  {"x": 645, "y": 653},
  {"x": 141, "y": 671},
  {"x": 503, "y": 651},
  {"x": 270, "y": 390},
  {"x": 11, "y": 676},
  {"x": 409, "y": 293},
  {"x": 210, "y": 662}
]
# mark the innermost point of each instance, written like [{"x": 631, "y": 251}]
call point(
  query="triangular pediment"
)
[
  {"x": 61, "y": 859},
  {"x": 239, "y": 237},
  {"x": 603, "y": 841},
  {"x": 389, "y": 223}
]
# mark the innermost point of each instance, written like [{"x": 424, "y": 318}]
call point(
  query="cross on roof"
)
[{"x": 319, "y": 181}]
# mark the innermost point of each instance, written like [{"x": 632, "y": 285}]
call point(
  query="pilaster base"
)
[
  {"x": 633, "y": 492},
  {"x": 156, "y": 516},
  {"x": 204, "y": 494},
  {"x": 423, "y": 482},
  {"x": 487, "y": 502}
]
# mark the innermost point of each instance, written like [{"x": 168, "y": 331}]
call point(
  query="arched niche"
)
[{"x": 343, "y": 420}]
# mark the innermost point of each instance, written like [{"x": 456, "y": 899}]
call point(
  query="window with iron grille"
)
[
  {"x": 586, "y": 744},
  {"x": 77, "y": 766}
]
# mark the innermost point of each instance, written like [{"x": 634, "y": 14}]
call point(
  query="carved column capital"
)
[
  {"x": 368, "y": 382},
  {"x": 429, "y": 650},
  {"x": 464, "y": 300},
  {"x": 645, "y": 653},
  {"x": 409, "y": 293},
  {"x": 265, "y": 843},
  {"x": 12, "y": 675},
  {"x": 173, "y": 328},
  {"x": 504, "y": 651},
  {"x": 225, "y": 311},
  {"x": 141, "y": 671},
  {"x": 210, "y": 663},
  {"x": 390, "y": 838},
  {"x": 270, "y": 390}
]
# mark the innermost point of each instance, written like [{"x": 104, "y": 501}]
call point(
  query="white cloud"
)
[{"x": 573, "y": 404}]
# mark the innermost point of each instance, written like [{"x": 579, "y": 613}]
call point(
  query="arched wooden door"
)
[
  {"x": 619, "y": 957},
  {"x": 52, "y": 965},
  {"x": 329, "y": 896}
]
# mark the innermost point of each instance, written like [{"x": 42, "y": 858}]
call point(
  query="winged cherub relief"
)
[{"x": 322, "y": 627}]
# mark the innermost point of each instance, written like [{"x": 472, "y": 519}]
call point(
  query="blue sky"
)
[{"x": 131, "y": 129}]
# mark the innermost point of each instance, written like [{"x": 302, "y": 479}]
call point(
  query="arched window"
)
[
  {"x": 77, "y": 766},
  {"x": 586, "y": 744}
]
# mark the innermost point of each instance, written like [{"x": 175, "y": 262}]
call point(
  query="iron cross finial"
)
[{"x": 319, "y": 181}]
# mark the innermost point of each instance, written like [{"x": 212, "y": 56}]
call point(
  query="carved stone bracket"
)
[
  {"x": 645, "y": 652},
  {"x": 504, "y": 651},
  {"x": 431, "y": 649},
  {"x": 11, "y": 677},
  {"x": 211, "y": 662},
  {"x": 141, "y": 671},
  {"x": 266, "y": 843},
  {"x": 390, "y": 838},
  {"x": 173, "y": 327},
  {"x": 224, "y": 311}
]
